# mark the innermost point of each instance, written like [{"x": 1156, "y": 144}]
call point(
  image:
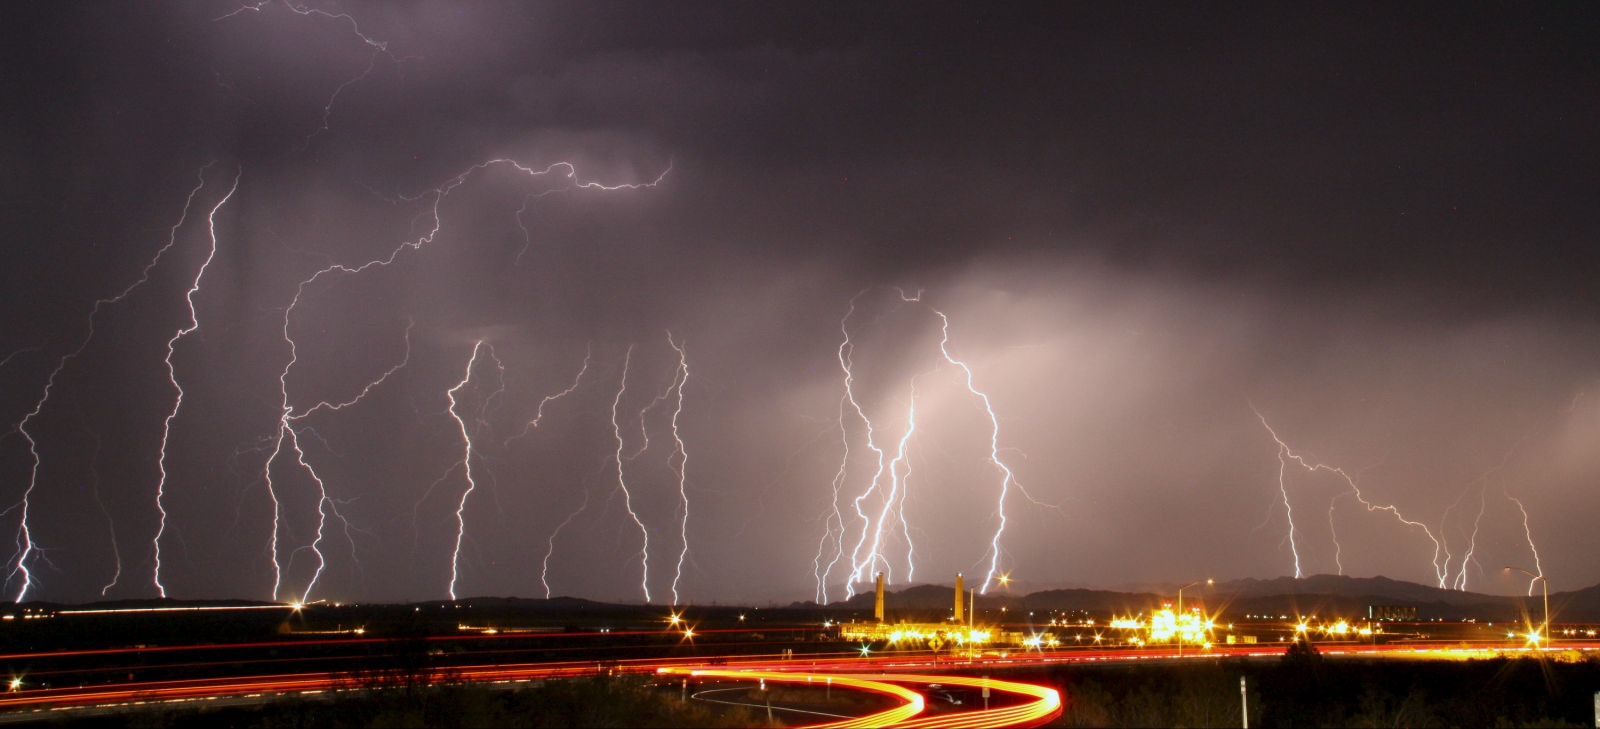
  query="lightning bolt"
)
[
  {"x": 466, "y": 460},
  {"x": 622, "y": 483},
  {"x": 288, "y": 413},
  {"x": 544, "y": 572},
  {"x": 1338, "y": 549},
  {"x": 1286, "y": 454},
  {"x": 892, "y": 481},
  {"x": 836, "y": 517},
  {"x": 892, "y": 497},
  {"x": 17, "y": 565},
  {"x": 1528, "y": 532},
  {"x": 680, "y": 378},
  {"x": 1472, "y": 542},
  {"x": 111, "y": 524},
  {"x": 379, "y": 48},
  {"x": 846, "y": 361},
  {"x": 539, "y": 414},
  {"x": 1008, "y": 478},
  {"x": 172, "y": 376},
  {"x": 1482, "y": 481}
]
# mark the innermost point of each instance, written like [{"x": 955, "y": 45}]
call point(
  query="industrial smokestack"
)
[
  {"x": 877, "y": 606},
  {"x": 961, "y": 590}
]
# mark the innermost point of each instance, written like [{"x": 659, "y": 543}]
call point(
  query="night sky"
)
[{"x": 1155, "y": 231}]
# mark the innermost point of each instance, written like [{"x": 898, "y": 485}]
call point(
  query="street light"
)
[
  {"x": 1177, "y": 622},
  {"x": 1544, "y": 630}
]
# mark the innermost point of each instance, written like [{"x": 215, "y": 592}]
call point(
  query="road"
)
[{"x": 896, "y": 675}]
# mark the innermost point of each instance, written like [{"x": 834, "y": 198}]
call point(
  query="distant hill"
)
[{"x": 1314, "y": 595}]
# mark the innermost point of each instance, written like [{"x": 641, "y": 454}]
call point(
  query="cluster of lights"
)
[
  {"x": 961, "y": 637},
  {"x": 1167, "y": 626},
  {"x": 1338, "y": 629},
  {"x": 1040, "y": 642}
]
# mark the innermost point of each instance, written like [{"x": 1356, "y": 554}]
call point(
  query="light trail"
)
[
  {"x": 680, "y": 379},
  {"x": 196, "y": 609},
  {"x": 17, "y": 563},
  {"x": 1286, "y": 454},
  {"x": 1045, "y": 706},
  {"x": 912, "y": 704},
  {"x": 172, "y": 376},
  {"x": 622, "y": 483}
]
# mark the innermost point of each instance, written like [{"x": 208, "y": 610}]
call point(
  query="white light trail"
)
[{"x": 172, "y": 376}]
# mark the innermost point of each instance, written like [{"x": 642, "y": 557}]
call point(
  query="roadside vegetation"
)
[
  {"x": 622, "y": 701},
  {"x": 1307, "y": 690}
]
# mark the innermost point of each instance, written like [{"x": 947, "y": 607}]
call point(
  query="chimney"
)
[
  {"x": 877, "y": 606},
  {"x": 961, "y": 589}
]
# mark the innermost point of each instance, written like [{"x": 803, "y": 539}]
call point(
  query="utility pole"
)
[{"x": 1244, "y": 705}]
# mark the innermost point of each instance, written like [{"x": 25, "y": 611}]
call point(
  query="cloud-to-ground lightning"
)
[
  {"x": 890, "y": 482},
  {"x": 111, "y": 524},
  {"x": 466, "y": 461},
  {"x": 17, "y": 564},
  {"x": 1459, "y": 582},
  {"x": 1527, "y": 531},
  {"x": 680, "y": 378},
  {"x": 1286, "y": 454},
  {"x": 287, "y": 435},
  {"x": 538, "y": 413},
  {"x": 893, "y": 503},
  {"x": 1008, "y": 478},
  {"x": 846, "y": 362},
  {"x": 622, "y": 481},
  {"x": 172, "y": 376},
  {"x": 835, "y": 517}
]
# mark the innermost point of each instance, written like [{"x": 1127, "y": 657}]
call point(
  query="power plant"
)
[{"x": 958, "y": 634}]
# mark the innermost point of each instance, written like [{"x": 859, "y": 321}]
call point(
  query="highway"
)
[{"x": 903, "y": 676}]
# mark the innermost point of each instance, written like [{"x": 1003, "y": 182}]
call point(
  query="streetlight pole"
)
[
  {"x": 1177, "y": 621},
  {"x": 1544, "y": 631},
  {"x": 972, "y": 607}
]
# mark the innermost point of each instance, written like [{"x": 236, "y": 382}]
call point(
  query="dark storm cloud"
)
[{"x": 1371, "y": 224}]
